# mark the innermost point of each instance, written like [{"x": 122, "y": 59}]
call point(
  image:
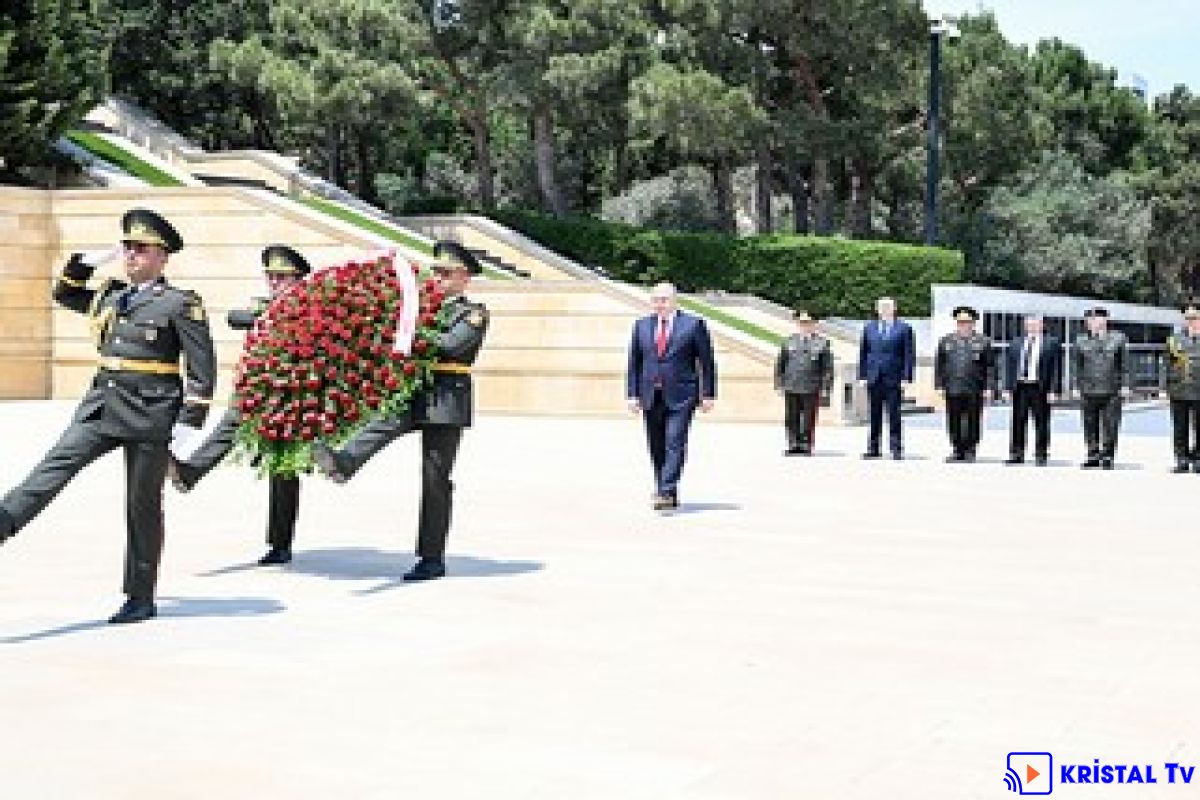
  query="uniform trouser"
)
[
  {"x": 800, "y": 418},
  {"x": 1030, "y": 398},
  {"x": 145, "y": 470},
  {"x": 666, "y": 436},
  {"x": 885, "y": 396},
  {"x": 284, "y": 494},
  {"x": 1101, "y": 423},
  {"x": 1185, "y": 424},
  {"x": 963, "y": 412},
  {"x": 439, "y": 448}
]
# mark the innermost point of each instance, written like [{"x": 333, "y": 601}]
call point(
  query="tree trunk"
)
[
  {"x": 798, "y": 174},
  {"x": 331, "y": 145},
  {"x": 366, "y": 169},
  {"x": 723, "y": 187},
  {"x": 862, "y": 199},
  {"x": 543, "y": 147},
  {"x": 763, "y": 218},
  {"x": 483, "y": 161},
  {"x": 822, "y": 190}
]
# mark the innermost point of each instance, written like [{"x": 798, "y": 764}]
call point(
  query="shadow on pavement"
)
[{"x": 167, "y": 607}]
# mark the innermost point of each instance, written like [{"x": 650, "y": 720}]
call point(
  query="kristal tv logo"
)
[{"x": 1030, "y": 773}]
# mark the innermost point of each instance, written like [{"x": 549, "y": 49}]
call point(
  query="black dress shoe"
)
[
  {"x": 870, "y": 454},
  {"x": 953, "y": 457},
  {"x": 327, "y": 461},
  {"x": 1014, "y": 460},
  {"x": 793, "y": 451},
  {"x": 136, "y": 609},
  {"x": 1196, "y": 467},
  {"x": 970, "y": 456},
  {"x": 1106, "y": 463},
  {"x": 897, "y": 455},
  {"x": 181, "y": 475},
  {"x": 1091, "y": 463},
  {"x": 276, "y": 555},
  {"x": 1042, "y": 461},
  {"x": 805, "y": 451},
  {"x": 427, "y": 569}
]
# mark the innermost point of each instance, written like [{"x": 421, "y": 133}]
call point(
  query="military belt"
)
[
  {"x": 149, "y": 367},
  {"x": 458, "y": 369}
]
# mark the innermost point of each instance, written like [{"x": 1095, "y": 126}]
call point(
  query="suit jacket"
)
[
  {"x": 1049, "y": 368},
  {"x": 160, "y": 326},
  {"x": 887, "y": 361},
  {"x": 687, "y": 370}
]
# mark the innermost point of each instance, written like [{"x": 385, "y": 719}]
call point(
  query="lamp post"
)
[{"x": 937, "y": 29}]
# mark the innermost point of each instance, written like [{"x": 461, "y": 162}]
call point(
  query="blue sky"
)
[{"x": 1157, "y": 39}]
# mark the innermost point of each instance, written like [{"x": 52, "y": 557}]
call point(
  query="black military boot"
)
[
  {"x": 1091, "y": 463},
  {"x": 328, "y": 461},
  {"x": 136, "y": 609},
  {"x": 7, "y": 526},
  {"x": 182, "y": 475},
  {"x": 1181, "y": 467},
  {"x": 426, "y": 569},
  {"x": 1107, "y": 463},
  {"x": 276, "y": 555}
]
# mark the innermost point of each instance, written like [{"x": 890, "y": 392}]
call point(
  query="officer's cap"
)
[
  {"x": 965, "y": 314},
  {"x": 453, "y": 256},
  {"x": 279, "y": 259},
  {"x": 1098, "y": 311},
  {"x": 145, "y": 226}
]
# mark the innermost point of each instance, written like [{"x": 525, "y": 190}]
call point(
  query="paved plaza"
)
[{"x": 816, "y": 628}]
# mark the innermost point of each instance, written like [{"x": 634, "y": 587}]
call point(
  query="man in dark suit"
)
[
  {"x": 440, "y": 412},
  {"x": 1032, "y": 381},
  {"x": 283, "y": 267},
  {"x": 143, "y": 328},
  {"x": 886, "y": 360},
  {"x": 671, "y": 371}
]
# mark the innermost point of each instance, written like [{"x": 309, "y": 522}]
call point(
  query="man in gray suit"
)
[
  {"x": 440, "y": 413},
  {"x": 1101, "y": 365}
]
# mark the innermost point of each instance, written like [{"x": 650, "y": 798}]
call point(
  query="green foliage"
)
[
  {"x": 52, "y": 62},
  {"x": 118, "y": 157},
  {"x": 827, "y": 276},
  {"x": 1058, "y": 229}
]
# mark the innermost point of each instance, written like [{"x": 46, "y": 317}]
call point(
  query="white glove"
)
[
  {"x": 184, "y": 440},
  {"x": 98, "y": 258}
]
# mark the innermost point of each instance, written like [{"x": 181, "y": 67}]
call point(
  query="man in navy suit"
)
[
  {"x": 1033, "y": 379},
  {"x": 886, "y": 358},
  {"x": 671, "y": 371}
]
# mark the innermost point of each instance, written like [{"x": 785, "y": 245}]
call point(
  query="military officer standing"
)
[
  {"x": 441, "y": 413},
  {"x": 1183, "y": 387},
  {"x": 965, "y": 369},
  {"x": 142, "y": 327},
  {"x": 1100, "y": 363},
  {"x": 803, "y": 371},
  {"x": 284, "y": 267}
]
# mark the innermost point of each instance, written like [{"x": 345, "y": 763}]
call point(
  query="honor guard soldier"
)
[
  {"x": 965, "y": 369},
  {"x": 1183, "y": 387},
  {"x": 284, "y": 267},
  {"x": 143, "y": 328},
  {"x": 440, "y": 412},
  {"x": 1100, "y": 363},
  {"x": 803, "y": 371}
]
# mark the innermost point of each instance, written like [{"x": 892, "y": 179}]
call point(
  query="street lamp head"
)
[{"x": 944, "y": 27}]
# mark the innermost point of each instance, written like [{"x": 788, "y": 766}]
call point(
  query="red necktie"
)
[{"x": 660, "y": 339}]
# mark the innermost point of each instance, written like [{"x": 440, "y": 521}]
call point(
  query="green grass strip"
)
[
  {"x": 390, "y": 232},
  {"x": 749, "y": 328},
  {"x": 122, "y": 159}
]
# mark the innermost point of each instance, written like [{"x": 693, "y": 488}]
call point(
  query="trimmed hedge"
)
[{"x": 828, "y": 277}]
